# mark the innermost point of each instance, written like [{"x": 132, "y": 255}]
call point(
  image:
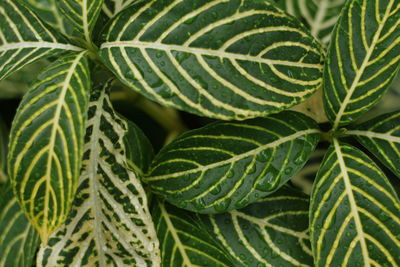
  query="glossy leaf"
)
[
  {"x": 355, "y": 213},
  {"x": 18, "y": 238},
  {"x": 184, "y": 242},
  {"x": 216, "y": 58},
  {"x": 271, "y": 232},
  {"x": 381, "y": 136},
  {"x": 363, "y": 58},
  {"x": 110, "y": 223},
  {"x": 82, "y": 14},
  {"x": 46, "y": 142},
  {"x": 113, "y": 7},
  {"x": 24, "y": 38},
  {"x": 227, "y": 165},
  {"x": 4, "y": 132}
]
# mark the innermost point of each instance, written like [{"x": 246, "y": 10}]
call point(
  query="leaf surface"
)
[
  {"x": 113, "y": 7},
  {"x": 4, "y": 132},
  {"x": 363, "y": 58},
  {"x": 355, "y": 213},
  {"x": 110, "y": 223},
  {"x": 46, "y": 142},
  {"x": 227, "y": 165},
  {"x": 224, "y": 59}
]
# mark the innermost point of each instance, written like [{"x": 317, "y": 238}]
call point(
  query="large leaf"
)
[
  {"x": 82, "y": 14},
  {"x": 271, "y": 232},
  {"x": 46, "y": 142},
  {"x": 363, "y": 58},
  {"x": 184, "y": 242},
  {"x": 381, "y": 136},
  {"x": 24, "y": 38},
  {"x": 227, "y": 165},
  {"x": 18, "y": 238},
  {"x": 222, "y": 59},
  {"x": 355, "y": 213},
  {"x": 113, "y": 7},
  {"x": 110, "y": 222},
  {"x": 4, "y": 132}
]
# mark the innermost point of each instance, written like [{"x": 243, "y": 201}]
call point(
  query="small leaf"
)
[
  {"x": 46, "y": 142},
  {"x": 110, "y": 223},
  {"x": 4, "y": 132},
  {"x": 184, "y": 242},
  {"x": 381, "y": 136},
  {"x": 355, "y": 213},
  {"x": 113, "y": 7},
  {"x": 363, "y": 58},
  {"x": 18, "y": 238},
  {"x": 228, "y": 165},
  {"x": 271, "y": 232},
  {"x": 24, "y": 38},
  {"x": 222, "y": 59}
]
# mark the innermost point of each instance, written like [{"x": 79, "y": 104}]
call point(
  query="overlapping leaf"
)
[
  {"x": 113, "y": 7},
  {"x": 184, "y": 242},
  {"x": 82, "y": 14},
  {"x": 24, "y": 38},
  {"x": 355, "y": 213},
  {"x": 363, "y": 58},
  {"x": 4, "y": 132},
  {"x": 381, "y": 136},
  {"x": 222, "y": 59},
  {"x": 271, "y": 232},
  {"x": 110, "y": 222},
  {"x": 18, "y": 238},
  {"x": 46, "y": 142},
  {"x": 227, "y": 165}
]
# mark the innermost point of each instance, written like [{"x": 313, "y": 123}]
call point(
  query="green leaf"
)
[
  {"x": 82, "y": 14},
  {"x": 46, "y": 142},
  {"x": 363, "y": 58},
  {"x": 18, "y": 238},
  {"x": 24, "y": 38},
  {"x": 355, "y": 213},
  {"x": 184, "y": 242},
  {"x": 110, "y": 223},
  {"x": 113, "y": 7},
  {"x": 381, "y": 136},
  {"x": 222, "y": 59},
  {"x": 227, "y": 165},
  {"x": 271, "y": 232},
  {"x": 4, "y": 132}
]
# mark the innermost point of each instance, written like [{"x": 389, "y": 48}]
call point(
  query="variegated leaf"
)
[
  {"x": 363, "y": 58},
  {"x": 4, "y": 132},
  {"x": 82, "y": 14},
  {"x": 24, "y": 38},
  {"x": 355, "y": 213},
  {"x": 225, "y": 59},
  {"x": 381, "y": 136},
  {"x": 18, "y": 238},
  {"x": 110, "y": 223},
  {"x": 271, "y": 232},
  {"x": 46, "y": 142},
  {"x": 184, "y": 242},
  {"x": 228, "y": 165},
  {"x": 113, "y": 7}
]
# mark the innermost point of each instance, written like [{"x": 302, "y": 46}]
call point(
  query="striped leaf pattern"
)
[
  {"x": 82, "y": 14},
  {"x": 24, "y": 38},
  {"x": 113, "y": 7},
  {"x": 227, "y": 165},
  {"x": 224, "y": 59},
  {"x": 381, "y": 136},
  {"x": 46, "y": 142},
  {"x": 184, "y": 242},
  {"x": 355, "y": 213},
  {"x": 18, "y": 238},
  {"x": 271, "y": 232},
  {"x": 363, "y": 58},
  {"x": 4, "y": 132},
  {"x": 110, "y": 223}
]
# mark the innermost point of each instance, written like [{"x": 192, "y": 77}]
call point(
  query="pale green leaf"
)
[
  {"x": 184, "y": 242},
  {"x": 271, "y": 232},
  {"x": 363, "y": 58},
  {"x": 46, "y": 142},
  {"x": 227, "y": 165},
  {"x": 354, "y": 213},
  {"x": 25, "y": 38},
  {"x": 4, "y": 132},
  {"x": 110, "y": 223},
  {"x": 381, "y": 136},
  {"x": 223, "y": 59},
  {"x": 18, "y": 238},
  {"x": 113, "y": 7}
]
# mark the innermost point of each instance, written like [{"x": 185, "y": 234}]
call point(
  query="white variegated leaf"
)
[{"x": 113, "y": 7}]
